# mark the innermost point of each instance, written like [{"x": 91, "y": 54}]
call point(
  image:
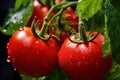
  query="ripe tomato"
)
[
  {"x": 71, "y": 16},
  {"x": 58, "y": 1},
  {"x": 39, "y": 11},
  {"x": 84, "y": 61},
  {"x": 63, "y": 36},
  {"x": 31, "y": 55}
]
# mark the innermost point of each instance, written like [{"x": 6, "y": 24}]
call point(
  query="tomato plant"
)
[
  {"x": 31, "y": 55},
  {"x": 84, "y": 61},
  {"x": 39, "y": 11},
  {"x": 72, "y": 19},
  {"x": 35, "y": 54}
]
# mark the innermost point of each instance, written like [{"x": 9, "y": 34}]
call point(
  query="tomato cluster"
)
[{"x": 36, "y": 57}]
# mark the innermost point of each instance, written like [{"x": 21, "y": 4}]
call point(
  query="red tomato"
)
[
  {"x": 58, "y": 1},
  {"x": 84, "y": 61},
  {"x": 71, "y": 16},
  {"x": 31, "y": 55},
  {"x": 40, "y": 12},
  {"x": 63, "y": 36}
]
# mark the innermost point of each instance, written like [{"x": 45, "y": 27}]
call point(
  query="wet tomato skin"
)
[
  {"x": 84, "y": 61},
  {"x": 30, "y": 55}
]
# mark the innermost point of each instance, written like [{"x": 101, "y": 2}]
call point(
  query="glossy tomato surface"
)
[
  {"x": 31, "y": 55},
  {"x": 84, "y": 61}
]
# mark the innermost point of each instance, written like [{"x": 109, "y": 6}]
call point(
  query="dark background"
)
[
  {"x": 7, "y": 71},
  {"x": 5, "y": 5}
]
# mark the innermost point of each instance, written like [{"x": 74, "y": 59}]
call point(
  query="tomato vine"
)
[{"x": 57, "y": 21}]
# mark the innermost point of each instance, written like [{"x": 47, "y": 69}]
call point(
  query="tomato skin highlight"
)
[
  {"x": 30, "y": 55},
  {"x": 84, "y": 61}
]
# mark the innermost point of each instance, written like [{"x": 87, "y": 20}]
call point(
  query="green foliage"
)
[
  {"x": 113, "y": 27},
  {"x": 18, "y": 17},
  {"x": 32, "y": 78},
  {"x": 114, "y": 73},
  {"x": 107, "y": 21},
  {"x": 116, "y": 4},
  {"x": 57, "y": 74},
  {"x": 89, "y": 8},
  {"x": 105, "y": 17},
  {"x": 21, "y": 4}
]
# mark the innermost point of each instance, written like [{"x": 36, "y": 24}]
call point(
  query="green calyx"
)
[
  {"x": 81, "y": 36},
  {"x": 35, "y": 31}
]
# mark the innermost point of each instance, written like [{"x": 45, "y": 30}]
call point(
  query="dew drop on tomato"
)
[
  {"x": 8, "y": 45},
  {"x": 97, "y": 65},
  {"x": 37, "y": 42},
  {"x": 21, "y": 29},
  {"x": 83, "y": 57},
  {"x": 79, "y": 64}
]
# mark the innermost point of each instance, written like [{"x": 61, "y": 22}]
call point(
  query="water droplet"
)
[
  {"x": 97, "y": 65},
  {"x": 10, "y": 59},
  {"x": 37, "y": 42},
  {"x": 21, "y": 21},
  {"x": 21, "y": 29},
  {"x": 69, "y": 61},
  {"x": 4, "y": 30},
  {"x": 83, "y": 57},
  {"x": 8, "y": 45},
  {"x": 79, "y": 64}
]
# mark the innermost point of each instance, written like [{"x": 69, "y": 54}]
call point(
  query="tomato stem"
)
[
  {"x": 81, "y": 29},
  {"x": 83, "y": 37},
  {"x": 46, "y": 23},
  {"x": 34, "y": 27}
]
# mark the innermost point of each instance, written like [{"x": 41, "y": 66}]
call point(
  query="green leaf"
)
[
  {"x": 21, "y": 4},
  {"x": 32, "y": 78},
  {"x": 106, "y": 48},
  {"x": 57, "y": 74},
  {"x": 114, "y": 73},
  {"x": 96, "y": 23},
  {"x": 89, "y": 7},
  {"x": 116, "y": 4},
  {"x": 113, "y": 28},
  {"x": 18, "y": 17}
]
